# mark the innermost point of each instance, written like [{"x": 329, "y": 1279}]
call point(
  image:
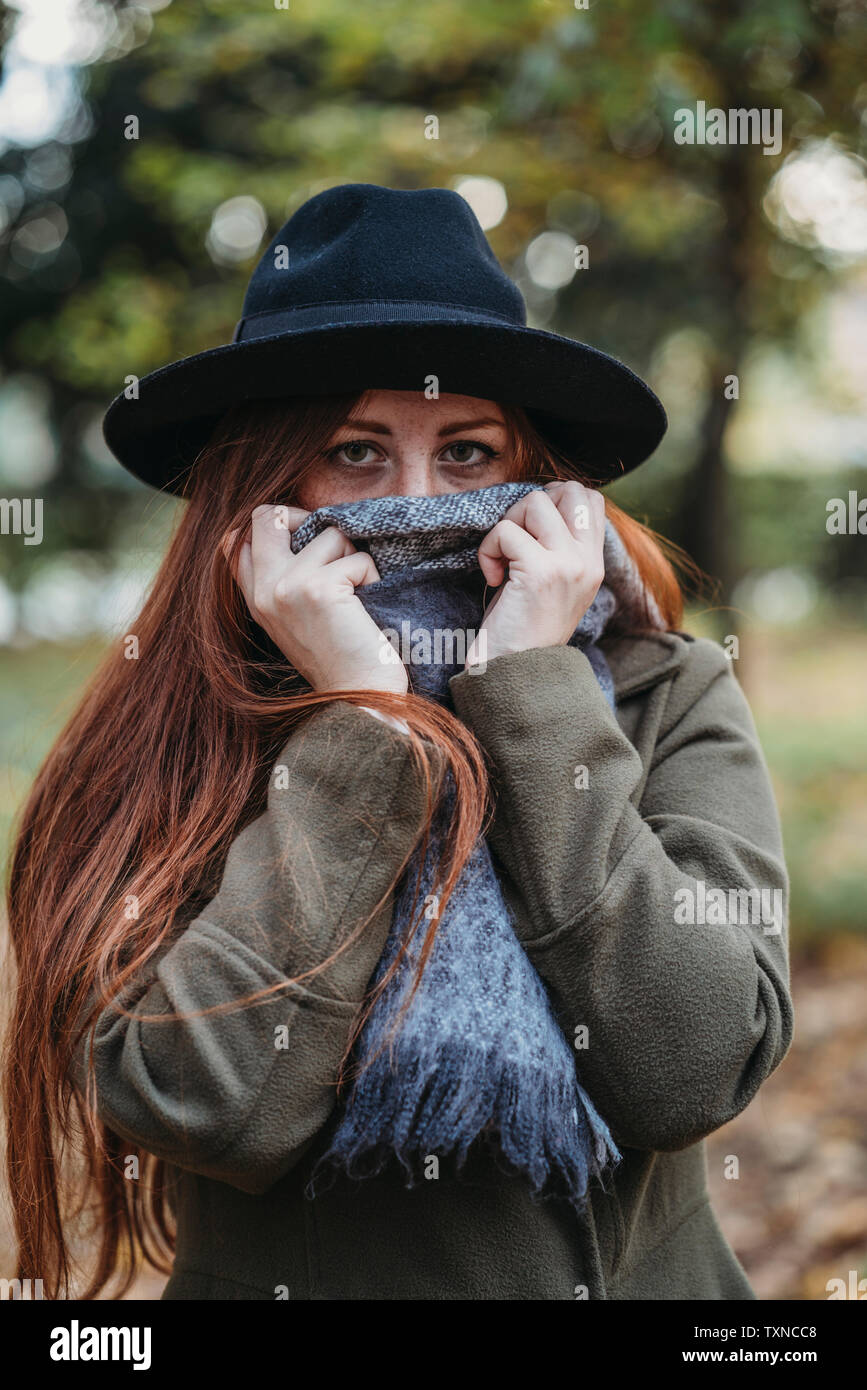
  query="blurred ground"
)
[{"x": 797, "y": 1214}]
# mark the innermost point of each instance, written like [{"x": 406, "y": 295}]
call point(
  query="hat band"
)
[{"x": 331, "y": 314}]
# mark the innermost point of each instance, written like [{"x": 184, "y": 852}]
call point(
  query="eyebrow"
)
[{"x": 376, "y": 428}]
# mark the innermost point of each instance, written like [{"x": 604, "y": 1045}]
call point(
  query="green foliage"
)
[{"x": 572, "y": 111}]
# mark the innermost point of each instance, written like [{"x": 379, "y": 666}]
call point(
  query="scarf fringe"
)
[{"x": 545, "y": 1127}]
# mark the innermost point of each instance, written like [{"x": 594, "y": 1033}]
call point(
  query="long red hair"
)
[{"x": 164, "y": 761}]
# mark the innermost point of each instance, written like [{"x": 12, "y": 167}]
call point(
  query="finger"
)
[
  {"x": 288, "y": 518},
  {"x": 227, "y": 546},
  {"x": 269, "y": 539},
  {"x": 507, "y": 541},
  {"x": 245, "y": 577},
  {"x": 582, "y": 508},
  {"x": 329, "y": 545},
  {"x": 359, "y": 568},
  {"x": 270, "y": 529},
  {"x": 537, "y": 513}
]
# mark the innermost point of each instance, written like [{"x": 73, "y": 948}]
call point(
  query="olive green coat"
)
[{"x": 685, "y": 1021}]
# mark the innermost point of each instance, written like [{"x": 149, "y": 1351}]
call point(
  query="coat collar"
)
[{"x": 643, "y": 660}]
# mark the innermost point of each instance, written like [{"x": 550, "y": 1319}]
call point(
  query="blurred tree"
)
[{"x": 572, "y": 110}]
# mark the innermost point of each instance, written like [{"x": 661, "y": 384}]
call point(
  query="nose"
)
[{"x": 416, "y": 476}]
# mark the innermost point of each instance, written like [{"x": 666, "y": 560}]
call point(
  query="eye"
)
[
  {"x": 361, "y": 447},
  {"x": 471, "y": 444},
  {"x": 362, "y": 444}
]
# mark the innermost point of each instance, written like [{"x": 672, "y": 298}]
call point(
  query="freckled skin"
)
[
  {"x": 543, "y": 558},
  {"x": 414, "y": 461}
]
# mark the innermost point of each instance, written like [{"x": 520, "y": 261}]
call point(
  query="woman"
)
[{"x": 346, "y": 956}]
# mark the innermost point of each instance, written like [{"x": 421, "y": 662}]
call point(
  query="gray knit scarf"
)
[{"x": 479, "y": 1055}]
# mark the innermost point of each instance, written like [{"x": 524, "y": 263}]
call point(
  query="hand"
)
[
  {"x": 546, "y": 553},
  {"x": 307, "y": 603}
]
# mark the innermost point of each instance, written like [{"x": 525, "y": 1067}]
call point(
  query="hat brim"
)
[{"x": 578, "y": 395}]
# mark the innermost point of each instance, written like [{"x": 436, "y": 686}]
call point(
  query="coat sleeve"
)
[
  {"x": 685, "y": 1021},
  {"x": 239, "y": 1095}
]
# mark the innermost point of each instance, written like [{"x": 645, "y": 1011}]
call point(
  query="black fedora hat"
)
[{"x": 373, "y": 287}]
